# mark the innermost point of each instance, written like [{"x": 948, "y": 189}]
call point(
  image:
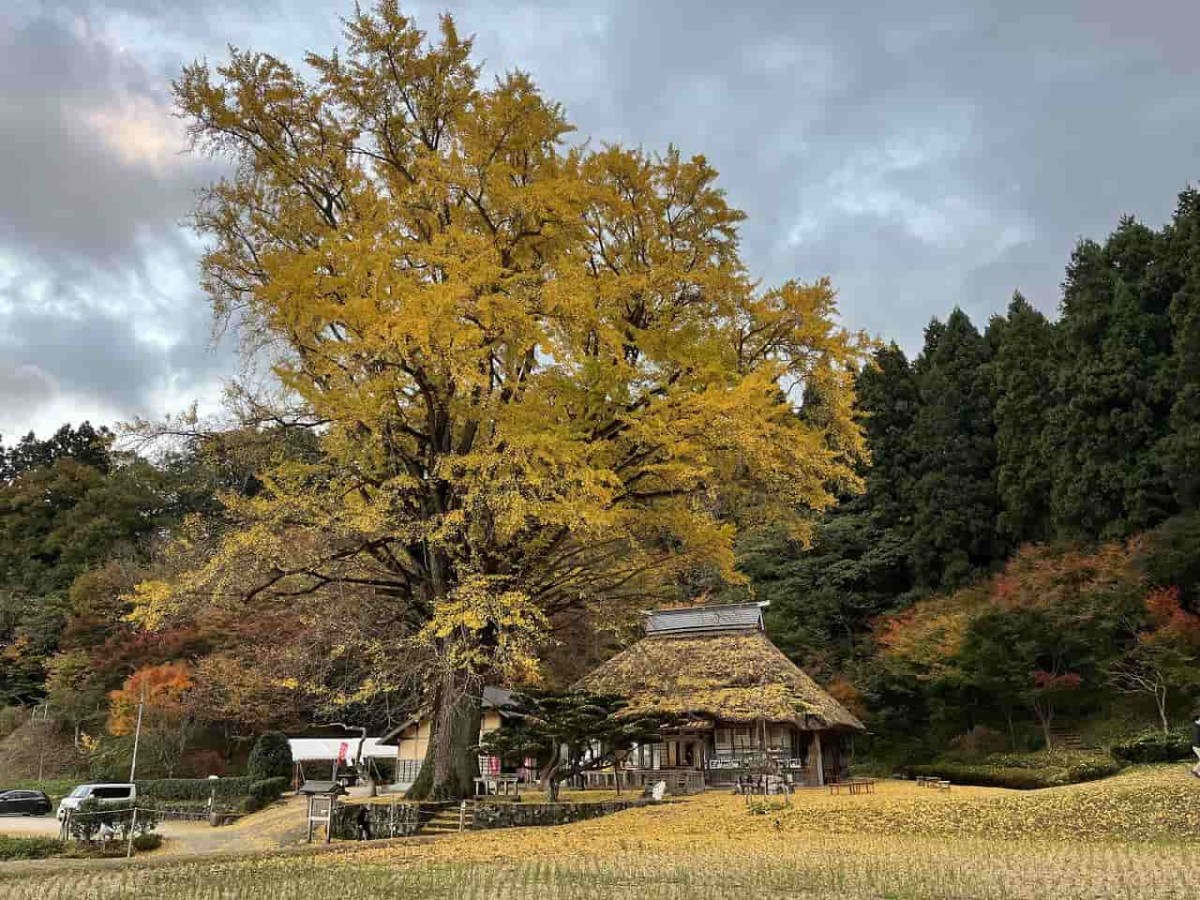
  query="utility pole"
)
[{"x": 137, "y": 734}]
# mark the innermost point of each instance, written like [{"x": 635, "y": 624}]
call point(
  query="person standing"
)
[{"x": 1196, "y": 746}]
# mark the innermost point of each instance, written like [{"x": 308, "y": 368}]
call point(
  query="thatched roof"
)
[{"x": 730, "y": 676}]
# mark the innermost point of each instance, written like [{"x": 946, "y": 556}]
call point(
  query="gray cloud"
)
[{"x": 924, "y": 154}]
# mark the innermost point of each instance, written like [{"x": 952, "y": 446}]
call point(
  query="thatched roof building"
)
[
  {"x": 716, "y": 667},
  {"x": 732, "y": 678}
]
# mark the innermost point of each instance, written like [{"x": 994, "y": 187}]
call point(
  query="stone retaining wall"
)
[
  {"x": 169, "y": 811},
  {"x": 519, "y": 815},
  {"x": 384, "y": 820},
  {"x": 404, "y": 819}
]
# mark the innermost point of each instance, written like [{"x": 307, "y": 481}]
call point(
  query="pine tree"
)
[
  {"x": 1112, "y": 390},
  {"x": 953, "y": 438},
  {"x": 1181, "y": 450},
  {"x": 823, "y": 597},
  {"x": 890, "y": 398},
  {"x": 1021, "y": 376}
]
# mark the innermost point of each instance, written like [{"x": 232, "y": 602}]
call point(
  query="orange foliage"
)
[
  {"x": 1038, "y": 576},
  {"x": 165, "y": 689},
  {"x": 1081, "y": 582},
  {"x": 1171, "y": 623},
  {"x": 1166, "y": 612},
  {"x": 928, "y": 634}
]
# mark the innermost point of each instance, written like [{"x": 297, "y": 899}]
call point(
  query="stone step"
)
[{"x": 449, "y": 819}]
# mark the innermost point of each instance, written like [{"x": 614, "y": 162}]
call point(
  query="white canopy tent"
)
[
  {"x": 328, "y": 749},
  {"x": 356, "y": 751}
]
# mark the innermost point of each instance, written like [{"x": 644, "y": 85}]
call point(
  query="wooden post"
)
[
  {"x": 129, "y": 834},
  {"x": 137, "y": 735},
  {"x": 815, "y": 752}
]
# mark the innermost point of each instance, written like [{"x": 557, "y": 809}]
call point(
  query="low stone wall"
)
[
  {"x": 169, "y": 811},
  {"x": 405, "y": 819},
  {"x": 383, "y": 820},
  {"x": 520, "y": 815}
]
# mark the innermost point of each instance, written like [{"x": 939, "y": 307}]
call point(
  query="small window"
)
[
  {"x": 723, "y": 740},
  {"x": 781, "y": 738},
  {"x": 112, "y": 793},
  {"x": 741, "y": 739}
]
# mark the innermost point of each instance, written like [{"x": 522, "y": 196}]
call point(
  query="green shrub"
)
[
  {"x": 54, "y": 788},
  {"x": 195, "y": 788},
  {"x": 29, "y": 847},
  {"x": 1028, "y": 771},
  {"x": 1154, "y": 746},
  {"x": 985, "y": 776},
  {"x": 1048, "y": 759},
  {"x": 271, "y": 757},
  {"x": 980, "y": 741},
  {"x": 84, "y": 823},
  {"x": 144, "y": 842},
  {"x": 264, "y": 793}
]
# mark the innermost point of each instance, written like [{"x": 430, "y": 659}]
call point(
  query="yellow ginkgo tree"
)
[{"x": 541, "y": 376}]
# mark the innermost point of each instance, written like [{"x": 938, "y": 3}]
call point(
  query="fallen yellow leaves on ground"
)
[
  {"x": 1147, "y": 803},
  {"x": 1133, "y": 836}
]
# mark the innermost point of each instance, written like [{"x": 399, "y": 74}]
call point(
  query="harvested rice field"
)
[{"x": 1136, "y": 835}]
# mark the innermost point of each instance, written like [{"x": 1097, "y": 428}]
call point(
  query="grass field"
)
[{"x": 1133, "y": 836}]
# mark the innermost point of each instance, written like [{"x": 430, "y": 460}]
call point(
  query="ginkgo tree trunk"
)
[{"x": 541, "y": 376}]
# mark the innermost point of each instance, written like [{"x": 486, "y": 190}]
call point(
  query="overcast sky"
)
[{"x": 923, "y": 154}]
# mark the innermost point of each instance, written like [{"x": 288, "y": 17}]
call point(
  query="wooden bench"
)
[{"x": 854, "y": 786}]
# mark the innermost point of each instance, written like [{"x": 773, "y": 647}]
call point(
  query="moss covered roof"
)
[{"x": 734, "y": 677}]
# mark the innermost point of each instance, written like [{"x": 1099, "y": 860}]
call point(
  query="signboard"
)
[
  {"x": 749, "y": 762},
  {"x": 320, "y": 812},
  {"x": 321, "y": 809}
]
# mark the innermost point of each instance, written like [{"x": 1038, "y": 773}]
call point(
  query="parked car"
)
[
  {"x": 24, "y": 803},
  {"x": 122, "y": 795}
]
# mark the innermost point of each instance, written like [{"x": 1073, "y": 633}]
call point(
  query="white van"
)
[{"x": 123, "y": 795}]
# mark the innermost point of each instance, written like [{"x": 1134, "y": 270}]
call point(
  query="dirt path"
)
[{"x": 282, "y": 825}]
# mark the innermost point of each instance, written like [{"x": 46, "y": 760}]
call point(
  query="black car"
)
[{"x": 24, "y": 803}]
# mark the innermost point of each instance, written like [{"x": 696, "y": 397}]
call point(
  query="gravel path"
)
[{"x": 282, "y": 825}]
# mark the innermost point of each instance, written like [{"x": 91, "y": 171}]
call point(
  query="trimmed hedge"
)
[
  {"x": 265, "y": 792},
  {"x": 1154, "y": 746},
  {"x": 195, "y": 788},
  {"x": 1025, "y": 772},
  {"x": 29, "y": 847}
]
